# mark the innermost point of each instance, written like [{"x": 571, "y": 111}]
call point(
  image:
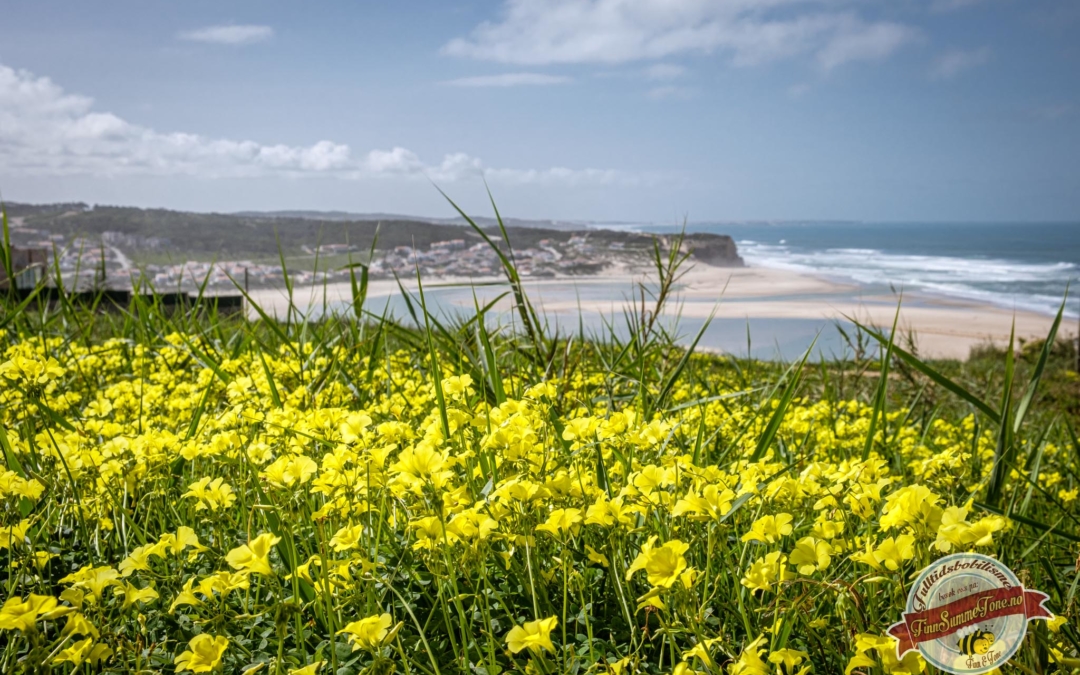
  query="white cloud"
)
[
  {"x": 664, "y": 71},
  {"x": 858, "y": 41},
  {"x": 229, "y": 34},
  {"x": 45, "y": 131},
  {"x": 956, "y": 61},
  {"x": 542, "y": 32},
  {"x": 509, "y": 80}
]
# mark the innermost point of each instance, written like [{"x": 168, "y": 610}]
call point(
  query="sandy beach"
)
[{"x": 940, "y": 327}]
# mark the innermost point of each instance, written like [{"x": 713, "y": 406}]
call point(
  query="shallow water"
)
[{"x": 769, "y": 338}]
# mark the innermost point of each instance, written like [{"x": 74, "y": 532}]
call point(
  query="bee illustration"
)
[{"x": 976, "y": 642}]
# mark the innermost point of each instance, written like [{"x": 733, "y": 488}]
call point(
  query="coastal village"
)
[{"x": 85, "y": 262}]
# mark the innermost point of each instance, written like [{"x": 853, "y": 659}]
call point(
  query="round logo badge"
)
[{"x": 967, "y": 613}]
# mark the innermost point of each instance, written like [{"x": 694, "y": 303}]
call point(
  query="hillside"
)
[{"x": 230, "y": 236}]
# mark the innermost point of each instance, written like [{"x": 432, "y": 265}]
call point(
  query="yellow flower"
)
[
  {"x": 828, "y": 529},
  {"x": 370, "y": 632},
  {"x": 750, "y": 662},
  {"x": 701, "y": 651},
  {"x": 287, "y": 471},
  {"x": 19, "y": 614},
  {"x": 77, "y": 624},
  {"x": 457, "y": 385},
  {"x": 885, "y": 646},
  {"x": 561, "y": 521},
  {"x": 952, "y": 530},
  {"x": 186, "y": 596},
  {"x": 254, "y": 556},
  {"x": 212, "y": 494},
  {"x": 93, "y": 579},
  {"x": 713, "y": 502},
  {"x": 42, "y": 558},
  {"x": 532, "y": 635},
  {"x": 352, "y": 429},
  {"x": 909, "y": 505},
  {"x": 203, "y": 655},
  {"x": 579, "y": 428},
  {"x": 767, "y": 529},
  {"x": 981, "y": 532},
  {"x": 472, "y": 525},
  {"x": 430, "y": 533},
  {"x": 15, "y": 534},
  {"x": 811, "y": 555},
  {"x": 133, "y": 594},
  {"x": 788, "y": 660},
  {"x": 76, "y": 653},
  {"x": 596, "y": 556},
  {"x": 223, "y": 582},
  {"x": 310, "y": 669},
  {"x": 765, "y": 572},
  {"x": 347, "y": 537},
  {"x": 422, "y": 461},
  {"x": 139, "y": 559},
  {"x": 605, "y": 512},
  {"x": 185, "y": 537},
  {"x": 891, "y": 553},
  {"x": 662, "y": 564}
]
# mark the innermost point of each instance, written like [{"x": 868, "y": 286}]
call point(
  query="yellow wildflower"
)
[
  {"x": 532, "y": 635},
  {"x": 811, "y": 555},
  {"x": 662, "y": 564},
  {"x": 370, "y": 632},
  {"x": 768, "y": 529},
  {"x": 203, "y": 654},
  {"x": 254, "y": 556}
]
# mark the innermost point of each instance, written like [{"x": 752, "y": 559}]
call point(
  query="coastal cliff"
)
[{"x": 718, "y": 250}]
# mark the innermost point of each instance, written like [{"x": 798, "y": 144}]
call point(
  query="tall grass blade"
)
[
  {"x": 794, "y": 379},
  {"x": 880, "y": 394},
  {"x": 5, "y": 251},
  {"x": 933, "y": 374},
  {"x": 1003, "y": 452},
  {"x": 1040, "y": 366}
]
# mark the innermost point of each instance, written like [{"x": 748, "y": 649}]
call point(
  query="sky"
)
[{"x": 603, "y": 110}]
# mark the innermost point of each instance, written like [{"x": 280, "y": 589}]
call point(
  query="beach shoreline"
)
[{"x": 938, "y": 327}]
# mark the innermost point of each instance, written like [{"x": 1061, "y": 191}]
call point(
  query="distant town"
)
[{"x": 139, "y": 257}]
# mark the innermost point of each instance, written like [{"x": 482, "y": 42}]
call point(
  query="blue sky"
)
[{"x": 629, "y": 110}]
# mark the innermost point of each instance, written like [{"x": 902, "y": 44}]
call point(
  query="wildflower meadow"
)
[{"x": 191, "y": 492}]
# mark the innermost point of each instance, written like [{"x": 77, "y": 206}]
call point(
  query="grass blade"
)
[
  {"x": 933, "y": 374},
  {"x": 794, "y": 378}
]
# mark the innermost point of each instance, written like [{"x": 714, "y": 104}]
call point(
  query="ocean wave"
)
[{"x": 1007, "y": 283}]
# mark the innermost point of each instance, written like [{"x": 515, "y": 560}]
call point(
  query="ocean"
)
[
  {"x": 1012, "y": 265},
  {"x": 1022, "y": 265}
]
